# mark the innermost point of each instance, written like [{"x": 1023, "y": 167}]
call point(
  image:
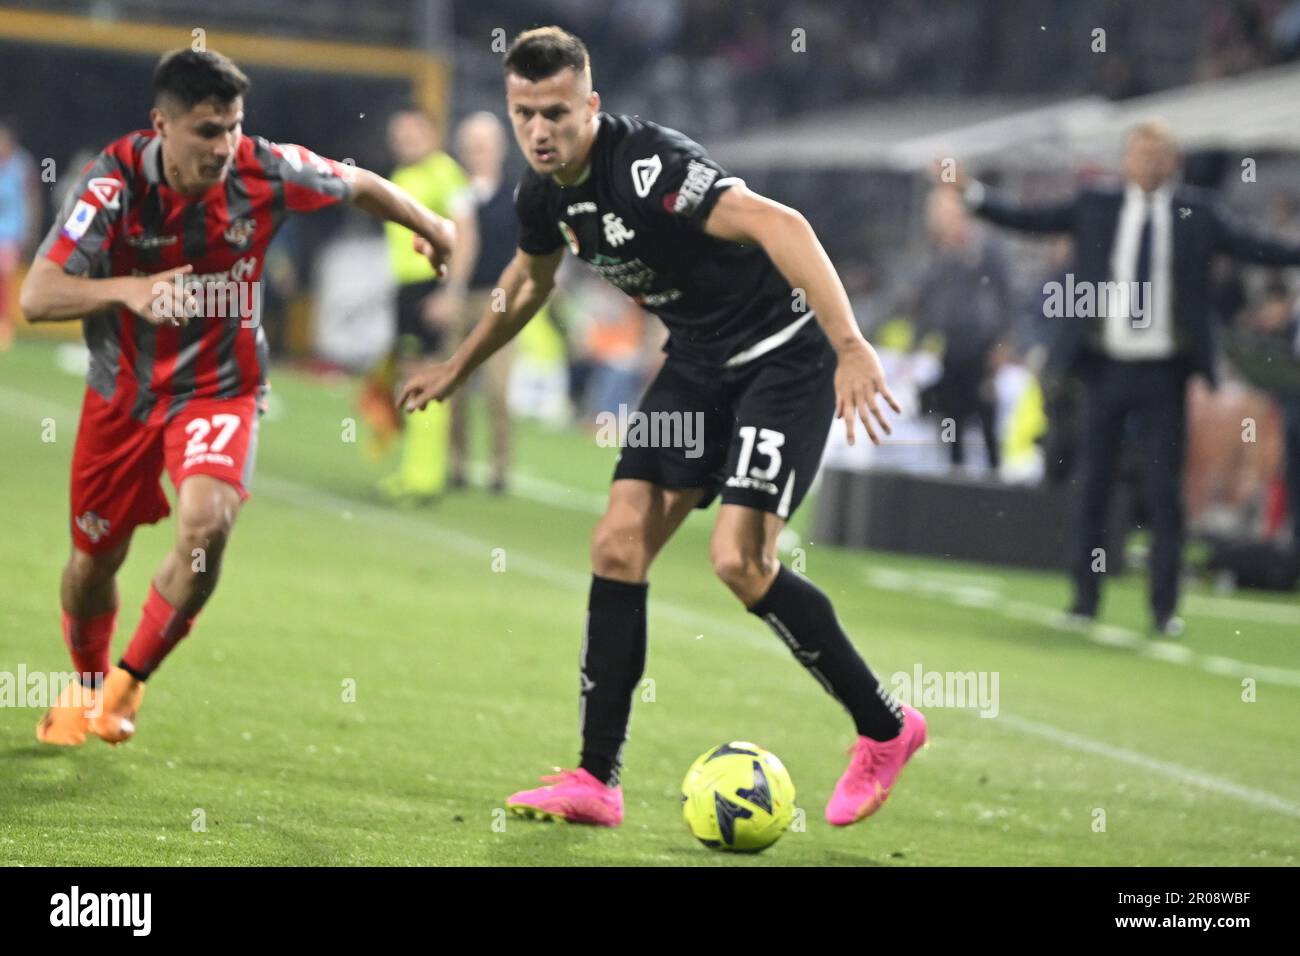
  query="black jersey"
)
[{"x": 638, "y": 220}]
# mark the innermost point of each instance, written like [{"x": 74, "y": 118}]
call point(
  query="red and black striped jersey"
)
[{"x": 123, "y": 219}]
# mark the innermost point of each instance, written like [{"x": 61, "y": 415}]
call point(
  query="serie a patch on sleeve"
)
[{"x": 83, "y": 214}]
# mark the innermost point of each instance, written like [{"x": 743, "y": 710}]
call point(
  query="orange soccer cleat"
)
[
  {"x": 65, "y": 724},
  {"x": 122, "y": 695}
]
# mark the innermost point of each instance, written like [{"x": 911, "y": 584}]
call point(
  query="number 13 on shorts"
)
[
  {"x": 769, "y": 444},
  {"x": 758, "y": 466}
]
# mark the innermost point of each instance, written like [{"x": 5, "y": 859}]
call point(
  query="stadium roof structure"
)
[{"x": 1253, "y": 111}]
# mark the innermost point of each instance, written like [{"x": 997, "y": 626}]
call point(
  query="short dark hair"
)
[
  {"x": 191, "y": 76},
  {"x": 545, "y": 51}
]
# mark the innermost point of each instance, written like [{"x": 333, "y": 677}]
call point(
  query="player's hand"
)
[
  {"x": 433, "y": 383},
  {"x": 155, "y": 298},
  {"x": 859, "y": 384},
  {"x": 438, "y": 246}
]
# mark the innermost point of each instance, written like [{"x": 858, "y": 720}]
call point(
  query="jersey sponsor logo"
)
[
  {"x": 93, "y": 526},
  {"x": 654, "y": 300},
  {"x": 240, "y": 232},
  {"x": 107, "y": 190},
  {"x": 644, "y": 174},
  {"x": 83, "y": 214},
  {"x": 570, "y": 238},
  {"x": 633, "y": 276},
  {"x": 699, "y": 177},
  {"x": 241, "y": 270},
  {"x": 751, "y": 484},
  {"x": 150, "y": 242},
  {"x": 615, "y": 232},
  {"x": 578, "y": 207}
]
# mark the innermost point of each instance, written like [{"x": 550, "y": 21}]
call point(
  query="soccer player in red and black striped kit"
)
[{"x": 158, "y": 223}]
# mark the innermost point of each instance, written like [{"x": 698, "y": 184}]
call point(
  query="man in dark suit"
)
[{"x": 1136, "y": 322}]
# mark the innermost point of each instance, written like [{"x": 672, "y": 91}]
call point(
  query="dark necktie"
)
[{"x": 1144, "y": 244}]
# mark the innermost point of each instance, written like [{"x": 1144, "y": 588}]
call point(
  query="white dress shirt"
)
[{"x": 1139, "y": 323}]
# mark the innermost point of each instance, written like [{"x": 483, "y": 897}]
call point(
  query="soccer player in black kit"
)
[{"x": 727, "y": 271}]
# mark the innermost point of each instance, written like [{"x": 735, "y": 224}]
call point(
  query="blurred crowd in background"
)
[{"x": 956, "y": 307}]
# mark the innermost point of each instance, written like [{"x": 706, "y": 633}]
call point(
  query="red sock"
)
[
  {"x": 88, "y": 641},
  {"x": 161, "y": 627}
]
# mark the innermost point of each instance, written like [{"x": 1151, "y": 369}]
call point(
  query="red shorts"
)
[{"x": 118, "y": 462}]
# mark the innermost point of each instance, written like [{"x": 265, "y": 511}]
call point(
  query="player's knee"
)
[
  {"x": 743, "y": 570},
  {"x": 93, "y": 570},
  {"x": 205, "y": 527},
  {"x": 618, "y": 551}
]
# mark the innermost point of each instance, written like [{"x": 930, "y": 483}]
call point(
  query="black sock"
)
[
  {"x": 132, "y": 671},
  {"x": 613, "y": 659},
  {"x": 802, "y": 616}
]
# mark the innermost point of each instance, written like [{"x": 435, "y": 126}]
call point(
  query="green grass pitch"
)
[{"x": 465, "y": 684}]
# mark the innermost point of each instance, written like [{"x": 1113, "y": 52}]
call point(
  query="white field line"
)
[
  {"x": 547, "y": 571},
  {"x": 951, "y": 591},
  {"x": 1163, "y": 768},
  {"x": 1243, "y": 609}
]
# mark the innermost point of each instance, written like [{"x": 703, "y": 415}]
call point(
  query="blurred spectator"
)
[
  {"x": 1036, "y": 336},
  {"x": 1249, "y": 495},
  {"x": 1291, "y": 411},
  {"x": 1243, "y": 35},
  {"x": 963, "y": 297},
  {"x": 1022, "y": 419},
  {"x": 20, "y": 220}
]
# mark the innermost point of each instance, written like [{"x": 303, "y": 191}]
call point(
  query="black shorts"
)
[
  {"x": 754, "y": 433},
  {"x": 414, "y": 337}
]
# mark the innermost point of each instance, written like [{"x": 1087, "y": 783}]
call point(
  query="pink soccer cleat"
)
[
  {"x": 572, "y": 795},
  {"x": 875, "y": 766}
]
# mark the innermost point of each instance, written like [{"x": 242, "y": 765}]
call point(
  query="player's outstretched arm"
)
[
  {"x": 789, "y": 241},
  {"x": 1243, "y": 243},
  {"x": 998, "y": 209},
  {"x": 523, "y": 288},
  {"x": 51, "y": 295},
  {"x": 435, "y": 237}
]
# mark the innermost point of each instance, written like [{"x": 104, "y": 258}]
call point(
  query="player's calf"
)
[
  {"x": 207, "y": 508},
  {"x": 89, "y": 584},
  {"x": 640, "y": 518},
  {"x": 88, "y": 595},
  {"x": 805, "y": 621}
]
